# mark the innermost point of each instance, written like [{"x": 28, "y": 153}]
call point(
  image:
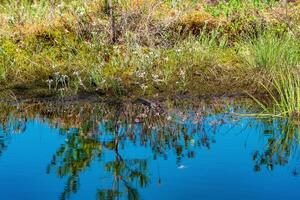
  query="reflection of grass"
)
[{"x": 282, "y": 142}]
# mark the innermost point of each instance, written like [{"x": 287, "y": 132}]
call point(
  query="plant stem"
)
[{"x": 112, "y": 22}]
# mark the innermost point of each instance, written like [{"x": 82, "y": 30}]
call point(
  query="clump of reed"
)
[
  {"x": 276, "y": 58},
  {"x": 284, "y": 94}
]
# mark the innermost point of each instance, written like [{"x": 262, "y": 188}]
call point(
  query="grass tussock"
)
[
  {"x": 272, "y": 52},
  {"x": 285, "y": 95}
]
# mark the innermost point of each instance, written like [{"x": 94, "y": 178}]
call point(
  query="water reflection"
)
[
  {"x": 282, "y": 143},
  {"x": 125, "y": 140}
]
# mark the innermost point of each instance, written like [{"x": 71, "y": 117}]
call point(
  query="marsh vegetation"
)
[{"x": 148, "y": 48}]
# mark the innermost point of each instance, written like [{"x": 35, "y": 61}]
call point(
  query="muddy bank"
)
[{"x": 18, "y": 97}]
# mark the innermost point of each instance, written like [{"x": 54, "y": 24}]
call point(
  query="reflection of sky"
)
[
  {"x": 23, "y": 164},
  {"x": 224, "y": 171}
]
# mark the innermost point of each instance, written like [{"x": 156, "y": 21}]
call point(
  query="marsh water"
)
[{"x": 125, "y": 151}]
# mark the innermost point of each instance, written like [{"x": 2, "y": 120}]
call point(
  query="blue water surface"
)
[{"x": 219, "y": 157}]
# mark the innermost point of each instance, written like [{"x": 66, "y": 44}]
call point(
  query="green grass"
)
[
  {"x": 272, "y": 52},
  {"x": 285, "y": 95}
]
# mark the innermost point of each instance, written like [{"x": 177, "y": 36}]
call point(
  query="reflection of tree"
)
[
  {"x": 92, "y": 130},
  {"x": 89, "y": 140},
  {"x": 3, "y": 145},
  {"x": 125, "y": 172},
  {"x": 121, "y": 123},
  {"x": 282, "y": 141},
  {"x": 10, "y": 125},
  {"x": 74, "y": 157},
  {"x": 82, "y": 147}
]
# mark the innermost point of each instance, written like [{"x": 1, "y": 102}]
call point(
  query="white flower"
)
[
  {"x": 155, "y": 76},
  {"x": 182, "y": 72},
  {"x": 141, "y": 74}
]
